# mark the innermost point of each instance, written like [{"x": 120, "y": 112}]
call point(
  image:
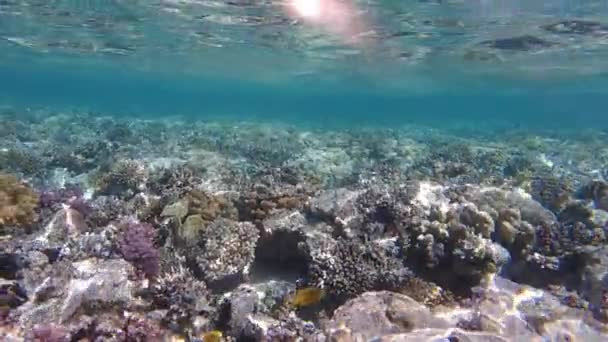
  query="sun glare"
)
[{"x": 307, "y": 8}]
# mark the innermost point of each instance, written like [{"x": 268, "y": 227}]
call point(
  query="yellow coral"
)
[
  {"x": 17, "y": 202},
  {"x": 210, "y": 207}
]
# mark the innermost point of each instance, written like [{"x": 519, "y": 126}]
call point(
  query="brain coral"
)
[{"x": 17, "y": 202}]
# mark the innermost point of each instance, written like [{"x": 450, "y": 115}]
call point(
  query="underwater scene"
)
[{"x": 303, "y": 170}]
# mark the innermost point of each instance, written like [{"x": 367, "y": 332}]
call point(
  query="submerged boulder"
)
[{"x": 84, "y": 283}]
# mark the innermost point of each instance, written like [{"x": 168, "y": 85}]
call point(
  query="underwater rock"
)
[
  {"x": 336, "y": 206},
  {"x": 245, "y": 314},
  {"x": 250, "y": 310},
  {"x": 89, "y": 281},
  {"x": 283, "y": 248},
  {"x": 179, "y": 210},
  {"x": 594, "y": 281},
  {"x": 519, "y": 312},
  {"x": 500, "y": 311},
  {"x": 37, "y": 278},
  {"x": 190, "y": 231},
  {"x": 65, "y": 223},
  {"x": 576, "y": 27},
  {"x": 452, "y": 334},
  {"x": 81, "y": 157},
  {"x": 286, "y": 221},
  {"x": 99, "y": 281},
  {"x": 376, "y": 314},
  {"x": 521, "y": 43},
  {"x": 294, "y": 328}
]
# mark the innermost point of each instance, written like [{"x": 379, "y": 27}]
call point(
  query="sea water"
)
[
  {"x": 176, "y": 170},
  {"x": 417, "y": 61}
]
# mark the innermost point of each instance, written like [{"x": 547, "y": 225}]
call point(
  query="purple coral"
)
[
  {"x": 136, "y": 245},
  {"x": 70, "y": 195},
  {"x": 50, "y": 333}
]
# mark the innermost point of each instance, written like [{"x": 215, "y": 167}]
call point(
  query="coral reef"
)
[
  {"x": 184, "y": 300},
  {"x": 123, "y": 179},
  {"x": 260, "y": 202},
  {"x": 17, "y": 202},
  {"x": 156, "y": 230},
  {"x": 348, "y": 268},
  {"x": 502, "y": 312},
  {"x": 225, "y": 252},
  {"x": 136, "y": 244}
]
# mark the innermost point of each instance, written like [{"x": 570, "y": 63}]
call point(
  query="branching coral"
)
[
  {"x": 210, "y": 207},
  {"x": 70, "y": 195},
  {"x": 123, "y": 179},
  {"x": 17, "y": 202},
  {"x": 347, "y": 268},
  {"x": 173, "y": 183},
  {"x": 182, "y": 296},
  {"x": 259, "y": 203}
]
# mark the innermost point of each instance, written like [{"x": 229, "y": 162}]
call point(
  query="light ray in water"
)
[{"x": 339, "y": 18}]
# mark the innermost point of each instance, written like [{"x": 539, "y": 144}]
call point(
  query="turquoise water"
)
[
  {"x": 419, "y": 61},
  {"x": 112, "y": 90}
]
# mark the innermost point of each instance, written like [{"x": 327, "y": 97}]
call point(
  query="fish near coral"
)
[
  {"x": 212, "y": 336},
  {"x": 307, "y": 296}
]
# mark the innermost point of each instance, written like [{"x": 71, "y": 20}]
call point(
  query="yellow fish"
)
[
  {"x": 307, "y": 296},
  {"x": 177, "y": 338},
  {"x": 212, "y": 336}
]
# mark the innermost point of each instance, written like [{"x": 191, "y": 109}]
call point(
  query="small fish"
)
[
  {"x": 177, "y": 338},
  {"x": 307, "y": 296},
  {"x": 212, "y": 336}
]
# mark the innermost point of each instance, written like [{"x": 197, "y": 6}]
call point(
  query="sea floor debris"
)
[{"x": 130, "y": 230}]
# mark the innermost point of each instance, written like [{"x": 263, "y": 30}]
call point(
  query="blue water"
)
[
  {"x": 114, "y": 91},
  {"x": 160, "y": 71}
]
